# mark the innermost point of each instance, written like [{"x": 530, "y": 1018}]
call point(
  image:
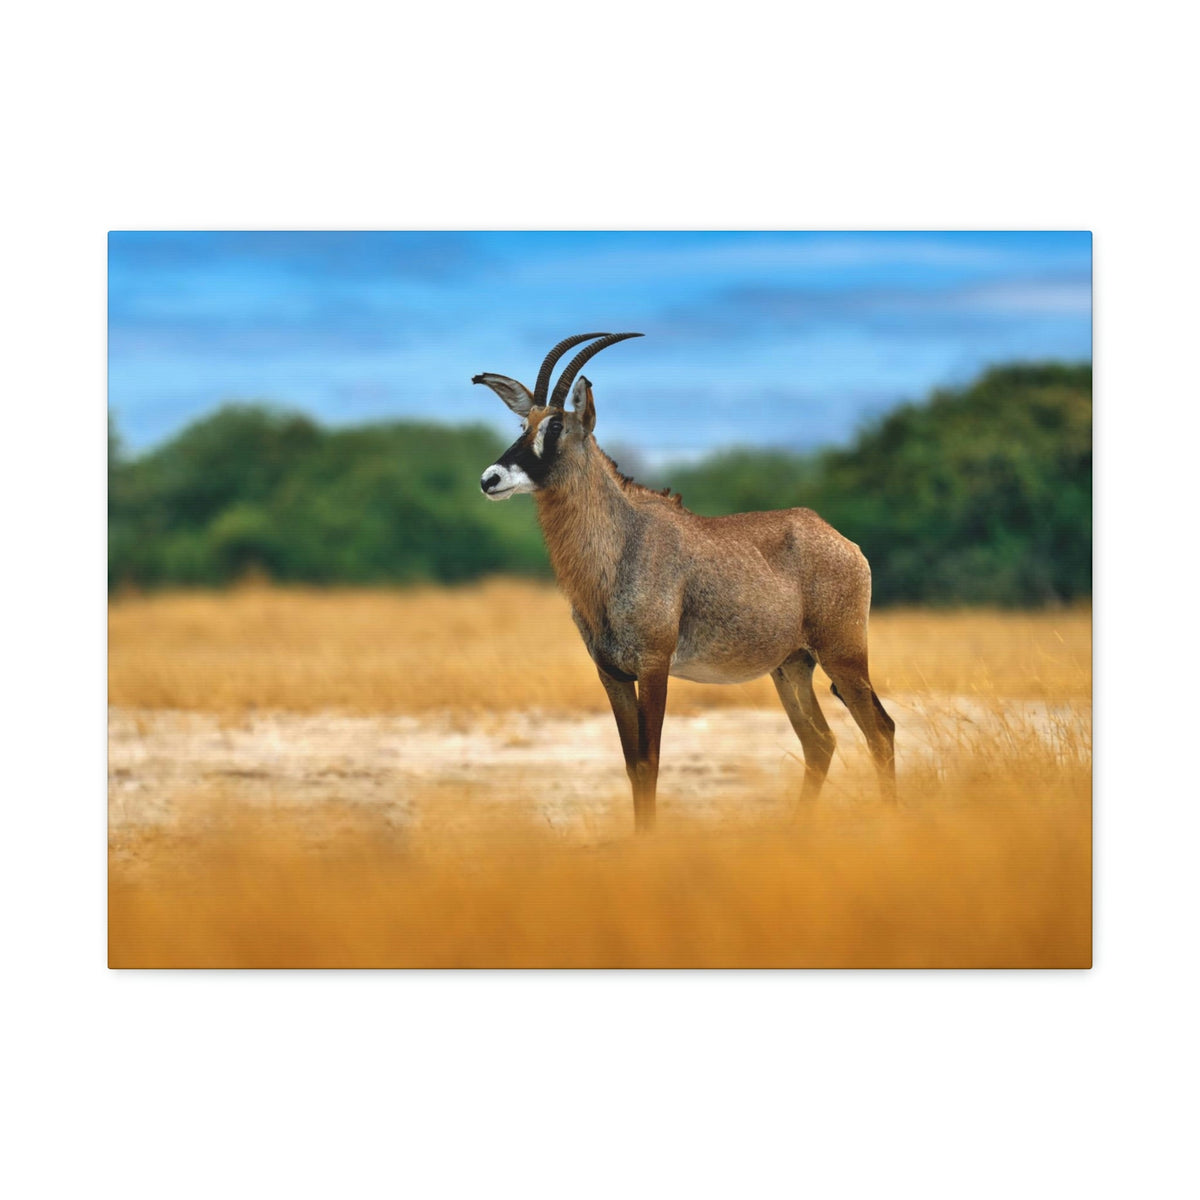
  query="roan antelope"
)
[{"x": 658, "y": 591}]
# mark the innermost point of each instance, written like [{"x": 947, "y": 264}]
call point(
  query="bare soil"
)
[{"x": 564, "y": 770}]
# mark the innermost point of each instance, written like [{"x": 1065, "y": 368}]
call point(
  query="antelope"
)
[{"x": 658, "y": 591}]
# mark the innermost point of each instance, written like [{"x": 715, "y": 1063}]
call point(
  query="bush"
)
[{"x": 981, "y": 495}]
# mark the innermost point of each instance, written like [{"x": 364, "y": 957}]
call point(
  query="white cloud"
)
[{"x": 1051, "y": 298}]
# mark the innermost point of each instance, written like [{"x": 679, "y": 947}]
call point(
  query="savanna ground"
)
[{"x": 432, "y": 778}]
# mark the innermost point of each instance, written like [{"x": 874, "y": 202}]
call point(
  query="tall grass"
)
[
  {"x": 415, "y": 651},
  {"x": 1000, "y": 883},
  {"x": 987, "y": 863}
]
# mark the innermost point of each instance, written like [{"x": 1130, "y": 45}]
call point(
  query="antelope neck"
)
[{"x": 586, "y": 521}]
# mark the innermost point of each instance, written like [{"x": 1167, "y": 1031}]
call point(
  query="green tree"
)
[
  {"x": 253, "y": 489},
  {"x": 978, "y": 495}
]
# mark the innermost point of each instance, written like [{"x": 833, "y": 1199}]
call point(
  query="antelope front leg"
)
[
  {"x": 622, "y": 695},
  {"x": 652, "y": 705}
]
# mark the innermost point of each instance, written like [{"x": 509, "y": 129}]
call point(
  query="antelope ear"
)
[
  {"x": 584, "y": 405},
  {"x": 516, "y": 395}
]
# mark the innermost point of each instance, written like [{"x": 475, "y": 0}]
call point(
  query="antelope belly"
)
[{"x": 699, "y": 670}]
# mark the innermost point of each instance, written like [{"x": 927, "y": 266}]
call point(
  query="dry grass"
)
[
  {"x": 433, "y": 649},
  {"x": 986, "y": 864},
  {"x": 999, "y": 879}
]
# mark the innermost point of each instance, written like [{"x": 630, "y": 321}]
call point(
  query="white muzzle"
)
[{"x": 498, "y": 483}]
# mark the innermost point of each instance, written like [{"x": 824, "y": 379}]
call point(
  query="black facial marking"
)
[{"x": 520, "y": 453}]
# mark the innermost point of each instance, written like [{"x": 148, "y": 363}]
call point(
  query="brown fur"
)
[
  {"x": 656, "y": 591},
  {"x": 535, "y": 418}
]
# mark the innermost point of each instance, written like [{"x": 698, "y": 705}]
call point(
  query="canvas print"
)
[{"x": 600, "y": 599}]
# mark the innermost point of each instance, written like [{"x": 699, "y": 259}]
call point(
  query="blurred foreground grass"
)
[
  {"x": 987, "y": 863},
  {"x": 999, "y": 879}
]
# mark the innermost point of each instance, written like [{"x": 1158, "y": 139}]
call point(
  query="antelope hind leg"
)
[
  {"x": 852, "y": 686},
  {"x": 793, "y": 682}
]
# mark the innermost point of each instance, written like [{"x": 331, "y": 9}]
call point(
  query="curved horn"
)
[
  {"x": 568, "y": 376},
  {"x": 543, "y": 379}
]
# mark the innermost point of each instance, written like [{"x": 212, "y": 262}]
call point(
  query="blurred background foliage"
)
[{"x": 980, "y": 495}]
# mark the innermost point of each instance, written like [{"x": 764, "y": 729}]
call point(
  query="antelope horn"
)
[
  {"x": 543, "y": 379},
  {"x": 568, "y": 376}
]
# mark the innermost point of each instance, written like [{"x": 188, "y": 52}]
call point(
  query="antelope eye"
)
[{"x": 556, "y": 427}]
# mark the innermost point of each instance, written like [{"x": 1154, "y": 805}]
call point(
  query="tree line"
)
[{"x": 976, "y": 495}]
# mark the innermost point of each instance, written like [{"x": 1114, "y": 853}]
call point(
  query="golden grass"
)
[
  {"x": 304, "y": 649},
  {"x": 997, "y": 878},
  {"x": 987, "y": 863}
]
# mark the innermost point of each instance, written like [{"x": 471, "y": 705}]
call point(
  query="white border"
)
[{"x": 840, "y": 1083}]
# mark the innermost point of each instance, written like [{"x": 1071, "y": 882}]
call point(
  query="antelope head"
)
[{"x": 551, "y": 437}]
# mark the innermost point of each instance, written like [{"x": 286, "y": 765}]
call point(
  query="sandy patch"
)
[{"x": 566, "y": 770}]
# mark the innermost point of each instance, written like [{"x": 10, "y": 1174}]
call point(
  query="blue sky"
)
[{"x": 785, "y": 339}]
